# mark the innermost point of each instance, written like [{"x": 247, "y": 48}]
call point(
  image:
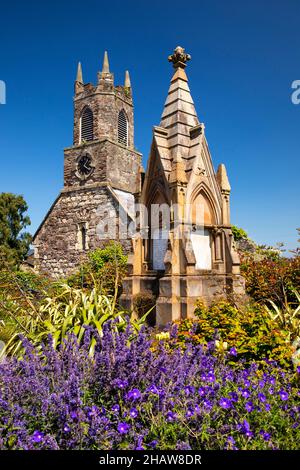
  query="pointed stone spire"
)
[
  {"x": 222, "y": 179},
  {"x": 127, "y": 83},
  {"x": 105, "y": 77},
  {"x": 105, "y": 66},
  {"x": 179, "y": 114},
  {"x": 79, "y": 73}
]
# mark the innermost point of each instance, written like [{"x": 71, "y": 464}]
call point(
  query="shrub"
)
[
  {"x": 132, "y": 397},
  {"x": 272, "y": 279},
  {"x": 238, "y": 233},
  {"x": 106, "y": 267},
  {"x": 249, "y": 330}
]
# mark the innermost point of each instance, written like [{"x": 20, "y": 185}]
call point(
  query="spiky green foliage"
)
[
  {"x": 70, "y": 311},
  {"x": 287, "y": 317}
]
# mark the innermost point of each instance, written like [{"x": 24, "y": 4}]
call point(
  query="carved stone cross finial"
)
[{"x": 179, "y": 57}]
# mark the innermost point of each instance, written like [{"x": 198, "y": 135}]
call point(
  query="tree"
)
[{"x": 14, "y": 242}]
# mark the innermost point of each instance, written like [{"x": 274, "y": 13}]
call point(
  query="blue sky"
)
[{"x": 245, "y": 55}]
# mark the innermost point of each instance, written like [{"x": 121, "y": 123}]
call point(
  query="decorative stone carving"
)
[{"x": 179, "y": 57}]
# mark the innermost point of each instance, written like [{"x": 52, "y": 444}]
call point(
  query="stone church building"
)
[{"x": 173, "y": 220}]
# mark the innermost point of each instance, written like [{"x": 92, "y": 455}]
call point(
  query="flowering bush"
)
[
  {"x": 249, "y": 329},
  {"x": 274, "y": 280},
  {"x": 133, "y": 396}
]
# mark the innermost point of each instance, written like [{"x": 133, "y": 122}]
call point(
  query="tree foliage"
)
[
  {"x": 238, "y": 233},
  {"x": 14, "y": 242}
]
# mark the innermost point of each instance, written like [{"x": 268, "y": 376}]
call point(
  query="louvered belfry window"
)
[
  {"x": 123, "y": 128},
  {"x": 86, "y": 125}
]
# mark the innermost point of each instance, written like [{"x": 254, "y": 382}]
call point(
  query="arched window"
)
[
  {"x": 123, "y": 128},
  {"x": 82, "y": 242},
  {"x": 83, "y": 238},
  {"x": 86, "y": 125}
]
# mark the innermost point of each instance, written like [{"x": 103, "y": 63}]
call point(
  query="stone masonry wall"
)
[
  {"x": 112, "y": 162},
  {"x": 57, "y": 248},
  {"x": 105, "y": 107}
]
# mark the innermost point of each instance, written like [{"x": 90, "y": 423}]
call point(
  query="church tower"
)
[{"x": 102, "y": 174}]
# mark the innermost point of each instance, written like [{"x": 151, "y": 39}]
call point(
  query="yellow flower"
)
[{"x": 163, "y": 335}]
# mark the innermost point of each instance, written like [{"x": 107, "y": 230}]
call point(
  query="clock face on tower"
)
[{"x": 84, "y": 166}]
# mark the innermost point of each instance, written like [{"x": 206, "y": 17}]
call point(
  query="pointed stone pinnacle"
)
[
  {"x": 222, "y": 178},
  {"x": 105, "y": 67},
  {"x": 127, "y": 83},
  {"x": 79, "y": 73}
]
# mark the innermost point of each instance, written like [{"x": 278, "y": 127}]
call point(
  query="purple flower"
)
[
  {"x": 189, "y": 390},
  {"x": 123, "y": 428},
  {"x": 134, "y": 394},
  {"x": 245, "y": 429},
  {"x": 66, "y": 428},
  {"x": 207, "y": 404},
  {"x": 171, "y": 416},
  {"x": 115, "y": 408},
  {"x": 267, "y": 406},
  {"x": 153, "y": 444},
  {"x": 261, "y": 397},
  {"x": 211, "y": 377},
  {"x": 249, "y": 406},
  {"x": 283, "y": 395},
  {"x": 202, "y": 391},
  {"x": 74, "y": 415},
  {"x": 189, "y": 413},
  {"x": 121, "y": 383},
  {"x": 298, "y": 369},
  {"x": 266, "y": 436},
  {"x": 246, "y": 425},
  {"x": 225, "y": 403},
  {"x": 133, "y": 413},
  {"x": 230, "y": 444},
  {"x": 234, "y": 396},
  {"x": 233, "y": 351},
  {"x": 93, "y": 412},
  {"x": 153, "y": 389},
  {"x": 37, "y": 436},
  {"x": 245, "y": 393}
]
